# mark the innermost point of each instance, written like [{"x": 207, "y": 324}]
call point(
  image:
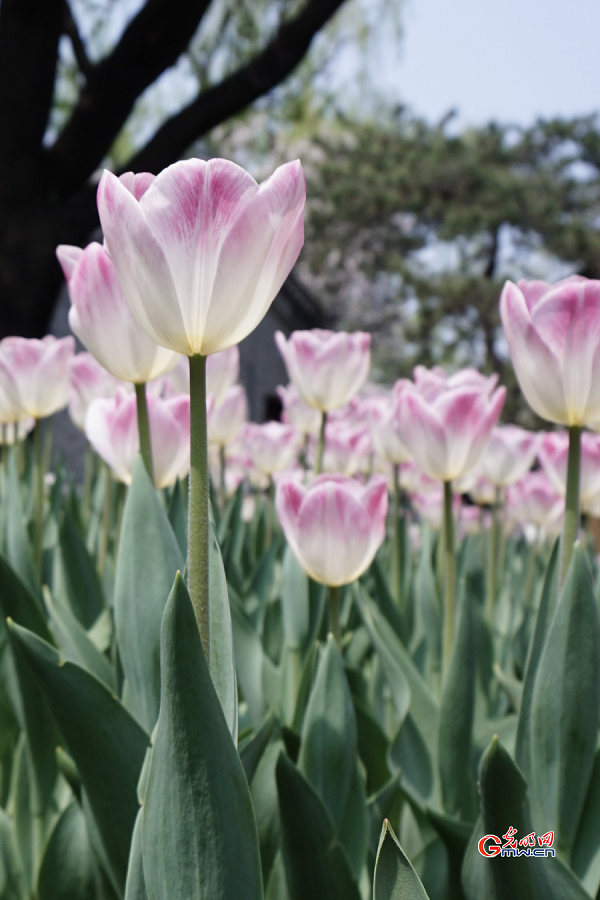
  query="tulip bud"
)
[
  {"x": 227, "y": 417},
  {"x": 509, "y": 454},
  {"x": 38, "y": 372},
  {"x": 335, "y": 525},
  {"x": 272, "y": 446},
  {"x": 298, "y": 413},
  {"x": 88, "y": 380}
]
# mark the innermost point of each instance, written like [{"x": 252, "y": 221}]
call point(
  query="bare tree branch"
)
[
  {"x": 72, "y": 32},
  {"x": 253, "y": 80},
  {"x": 151, "y": 43}
]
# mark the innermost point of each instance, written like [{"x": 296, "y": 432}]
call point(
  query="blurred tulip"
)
[
  {"x": 222, "y": 372},
  {"x": 88, "y": 380},
  {"x": 228, "y": 416},
  {"x": 103, "y": 322},
  {"x": 384, "y": 428},
  {"x": 553, "y": 335},
  {"x": 509, "y": 454},
  {"x": 111, "y": 428},
  {"x": 298, "y": 413},
  {"x": 553, "y": 453},
  {"x": 334, "y": 526},
  {"x": 39, "y": 371},
  {"x": 347, "y": 449},
  {"x": 534, "y": 500},
  {"x": 327, "y": 368},
  {"x": 429, "y": 506},
  {"x": 447, "y": 428},
  {"x": 272, "y": 446},
  {"x": 203, "y": 253},
  {"x": 431, "y": 382},
  {"x": 13, "y": 432}
]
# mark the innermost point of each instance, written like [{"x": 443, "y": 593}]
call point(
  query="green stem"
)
[
  {"x": 38, "y": 453},
  {"x": 198, "y": 500},
  {"x": 397, "y": 551},
  {"x": 88, "y": 479},
  {"x": 222, "y": 467},
  {"x": 144, "y": 428},
  {"x": 270, "y": 511},
  {"x": 321, "y": 445},
  {"x": 106, "y": 517},
  {"x": 492, "y": 566},
  {"x": 334, "y": 613},
  {"x": 450, "y": 578},
  {"x": 571, "y": 520}
]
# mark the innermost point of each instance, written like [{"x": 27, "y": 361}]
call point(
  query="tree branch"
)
[
  {"x": 72, "y": 32},
  {"x": 152, "y": 42},
  {"x": 29, "y": 35},
  {"x": 253, "y": 80}
]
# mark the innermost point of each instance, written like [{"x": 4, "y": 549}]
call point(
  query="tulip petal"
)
[{"x": 422, "y": 431}]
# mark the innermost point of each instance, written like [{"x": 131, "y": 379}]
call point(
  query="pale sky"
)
[{"x": 509, "y": 60}]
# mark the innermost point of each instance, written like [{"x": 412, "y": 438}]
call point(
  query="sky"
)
[{"x": 508, "y": 60}]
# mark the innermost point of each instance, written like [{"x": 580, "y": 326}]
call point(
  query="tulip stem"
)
[
  {"x": 397, "y": 550},
  {"x": 450, "y": 578},
  {"x": 334, "y": 613},
  {"x": 571, "y": 520},
  {"x": 38, "y": 453},
  {"x": 321, "y": 444},
  {"x": 492, "y": 567},
  {"x": 144, "y": 428},
  {"x": 222, "y": 468},
  {"x": 198, "y": 500}
]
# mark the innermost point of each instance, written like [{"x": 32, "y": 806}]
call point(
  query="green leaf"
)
[
  {"x": 135, "y": 886},
  {"x": 222, "y": 661},
  {"x": 105, "y": 742},
  {"x": 429, "y": 621},
  {"x": 294, "y": 601},
  {"x": 315, "y": 863},
  {"x": 18, "y": 546},
  {"x": 68, "y": 870},
  {"x": 456, "y": 722},
  {"x": 394, "y": 878},
  {"x": 372, "y": 747},
  {"x": 11, "y": 880},
  {"x": 148, "y": 559},
  {"x": 18, "y": 603},
  {"x": 75, "y": 644},
  {"x": 83, "y": 584},
  {"x": 251, "y": 750},
  {"x": 198, "y": 834},
  {"x": 249, "y": 660},
  {"x": 585, "y": 859},
  {"x": 542, "y": 624},
  {"x": 178, "y": 517},
  {"x": 565, "y": 709}
]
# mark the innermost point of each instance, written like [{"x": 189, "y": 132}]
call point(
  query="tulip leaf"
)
[
  {"x": 456, "y": 722},
  {"x": 135, "y": 886},
  {"x": 372, "y": 747},
  {"x": 249, "y": 658},
  {"x": 198, "y": 834},
  {"x": 81, "y": 577},
  {"x": 75, "y": 645},
  {"x": 394, "y": 877},
  {"x": 585, "y": 859},
  {"x": 11, "y": 876},
  {"x": 429, "y": 620},
  {"x": 294, "y": 601},
  {"x": 68, "y": 870},
  {"x": 18, "y": 546},
  {"x": 252, "y": 749},
  {"x": 18, "y": 603},
  {"x": 222, "y": 661},
  {"x": 565, "y": 710},
  {"x": 148, "y": 559},
  {"x": 542, "y": 625},
  {"x": 316, "y": 865},
  {"x": 178, "y": 517},
  {"x": 105, "y": 742}
]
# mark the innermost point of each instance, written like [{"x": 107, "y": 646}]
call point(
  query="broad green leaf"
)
[
  {"x": 294, "y": 601},
  {"x": 18, "y": 603},
  {"x": 542, "y": 625},
  {"x": 329, "y": 739},
  {"x": 18, "y": 546},
  {"x": 105, "y": 742},
  {"x": 222, "y": 661},
  {"x": 428, "y": 616},
  {"x": 82, "y": 580},
  {"x": 11, "y": 877},
  {"x": 252, "y": 749},
  {"x": 75, "y": 645},
  {"x": 394, "y": 878},
  {"x": 178, "y": 517},
  {"x": 456, "y": 722},
  {"x": 68, "y": 870},
  {"x": 249, "y": 663},
  {"x": 263, "y": 789},
  {"x": 198, "y": 834},
  {"x": 148, "y": 559},
  {"x": 316, "y": 865},
  {"x": 565, "y": 709},
  {"x": 585, "y": 858},
  {"x": 372, "y": 747},
  {"x": 135, "y": 886}
]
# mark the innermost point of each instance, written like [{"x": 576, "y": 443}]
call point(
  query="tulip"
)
[
  {"x": 222, "y": 372},
  {"x": 111, "y": 428},
  {"x": 347, "y": 450},
  {"x": 335, "y": 525},
  {"x": 509, "y": 454},
  {"x": 40, "y": 372},
  {"x": 296, "y": 412},
  {"x": 446, "y": 424},
  {"x": 88, "y": 380},
  {"x": 553, "y": 335},
  {"x": 534, "y": 500},
  {"x": 327, "y": 369},
  {"x": 225, "y": 422},
  {"x": 200, "y": 257},
  {"x": 272, "y": 446}
]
